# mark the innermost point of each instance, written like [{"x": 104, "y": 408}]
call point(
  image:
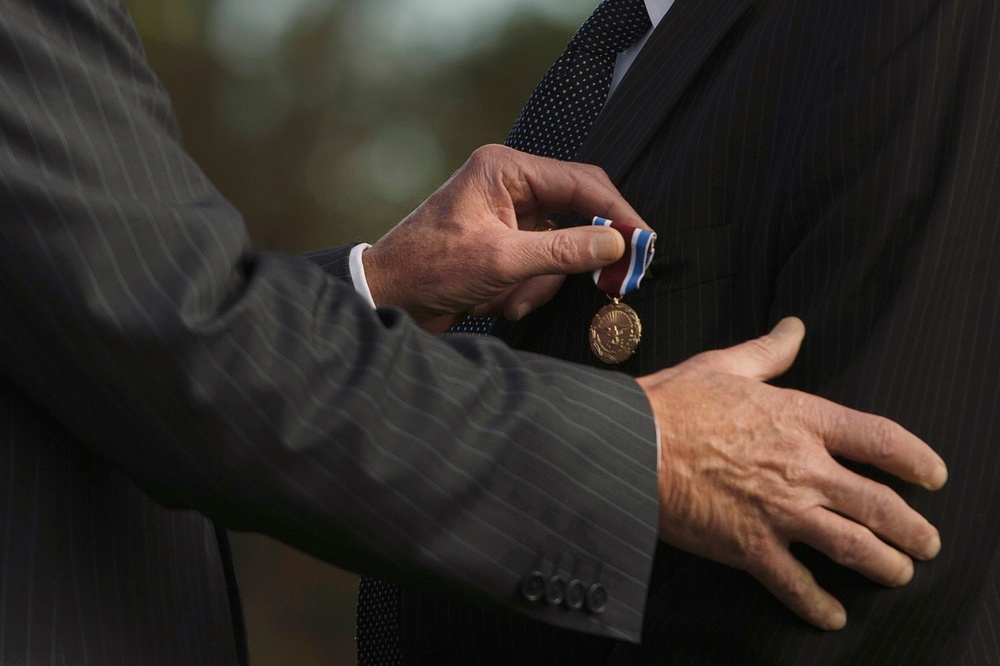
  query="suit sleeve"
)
[
  {"x": 258, "y": 388},
  {"x": 336, "y": 261},
  {"x": 897, "y": 275}
]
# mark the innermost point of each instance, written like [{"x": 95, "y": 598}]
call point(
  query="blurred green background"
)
[{"x": 327, "y": 121}]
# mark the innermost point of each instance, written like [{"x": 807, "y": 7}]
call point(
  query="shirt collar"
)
[{"x": 657, "y": 9}]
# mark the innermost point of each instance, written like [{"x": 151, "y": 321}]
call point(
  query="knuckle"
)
[
  {"x": 796, "y": 589},
  {"x": 762, "y": 552},
  {"x": 760, "y": 349},
  {"x": 882, "y": 440},
  {"x": 883, "y": 509},
  {"x": 801, "y": 414},
  {"x": 880, "y": 507},
  {"x": 565, "y": 251},
  {"x": 486, "y": 154},
  {"x": 754, "y": 550},
  {"x": 597, "y": 172},
  {"x": 801, "y": 403},
  {"x": 795, "y": 408},
  {"x": 820, "y": 419},
  {"x": 491, "y": 150},
  {"x": 851, "y": 549},
  {"x": 797, "y": 473}
]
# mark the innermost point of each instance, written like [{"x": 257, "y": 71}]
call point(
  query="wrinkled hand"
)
[
  {"x": 747, "y": 468},
  {"x": 470, "y": 247}
]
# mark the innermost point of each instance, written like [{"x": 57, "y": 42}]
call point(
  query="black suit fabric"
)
[
  {"x": 159, "y": 376},
  {"x": 838, "y": 161}
]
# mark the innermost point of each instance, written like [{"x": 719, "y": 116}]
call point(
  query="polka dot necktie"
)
[
  {"x": 554, "y": 123},
  {"x": 565, "y": 104},
  {"x": 567, "y": 101}
]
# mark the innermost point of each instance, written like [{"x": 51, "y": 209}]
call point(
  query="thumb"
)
[
  {"x": 566, "y": 251},
  {"x": 762, "y": 358}
]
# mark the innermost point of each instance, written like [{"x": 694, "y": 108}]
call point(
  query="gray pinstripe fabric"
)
[
  {"x": 152, "y": 359},
  {"x": 553, "y": 123},
  {"x": 839, "y": 161}
]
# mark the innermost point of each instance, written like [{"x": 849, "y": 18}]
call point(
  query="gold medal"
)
[
  {"x": 615, "y": 332},
  {"x": 615, "y": 329}
]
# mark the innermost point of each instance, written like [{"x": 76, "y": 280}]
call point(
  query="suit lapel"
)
[{"x": 653, "y": 85}]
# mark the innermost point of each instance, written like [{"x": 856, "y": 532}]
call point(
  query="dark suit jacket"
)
[
  {"x": 839, "y": 161},
  {"x": 158, "y": 375}
]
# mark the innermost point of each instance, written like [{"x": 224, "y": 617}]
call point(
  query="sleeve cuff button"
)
[
  {"x": 576, "y": 594},
  {"x": 555, "y": 590},
  {"x": 533, "y": 586},
  {"x": 597, "y": 599}
]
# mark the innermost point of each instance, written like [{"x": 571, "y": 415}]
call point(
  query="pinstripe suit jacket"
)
[
  {"x": 839, "y": 161},
  {"x": 159, "y": 376}
]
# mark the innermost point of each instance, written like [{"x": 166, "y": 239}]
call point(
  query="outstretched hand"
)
[
  {"x": 470, "y": 248},
  {"x": 747, "y": 468}
]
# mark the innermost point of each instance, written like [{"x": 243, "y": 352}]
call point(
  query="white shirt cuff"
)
[{"x": 358, "y": 273}]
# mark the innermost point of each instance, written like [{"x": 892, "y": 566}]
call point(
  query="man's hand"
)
[
  {"x": 470, "y": 248},
  {"x": 748, "y": 468}
]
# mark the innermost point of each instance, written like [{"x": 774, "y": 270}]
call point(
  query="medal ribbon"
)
[{"x": 624, "y": 275}]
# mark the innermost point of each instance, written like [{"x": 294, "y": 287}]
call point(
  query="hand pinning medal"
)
[{"x": 616, "y": 329}]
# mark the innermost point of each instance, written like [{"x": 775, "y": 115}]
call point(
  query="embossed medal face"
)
[{"x": 615, "y": 332}]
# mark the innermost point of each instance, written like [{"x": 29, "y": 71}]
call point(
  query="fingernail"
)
[
  {"x": 785, "y": 327},
  {"x": 605, "y": 246},
  {"x": 905, "y": 575},
  {"x": 521, "y": 310},
  {"x": 938, "y": 477},
  {"x": 837, "y": 619},
  {"x": 933, "y": 547}
]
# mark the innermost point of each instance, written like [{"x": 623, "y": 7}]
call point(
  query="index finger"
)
[
  {"x": 878, "y": 441},
  {"x": 569, "y": 187}
]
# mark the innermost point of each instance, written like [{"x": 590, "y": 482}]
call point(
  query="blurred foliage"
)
[
  {"x": 327, "y": 137},
  {"x": 323, "y": 128}
]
